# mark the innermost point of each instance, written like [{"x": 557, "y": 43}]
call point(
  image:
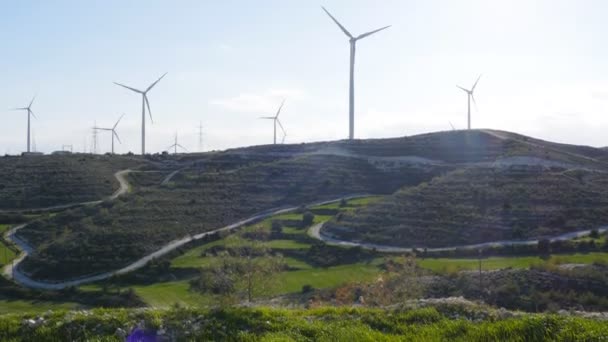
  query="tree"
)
[
  {"x": 308, "y": 218},
  {"x": 544, "y": 246},
  {"x": 247, "y": 272},
  {"x": 276, "y": 228}
]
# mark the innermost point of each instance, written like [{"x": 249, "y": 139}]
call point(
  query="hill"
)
[
  {"x": 95, "y": 239},
  {"x": 43, "y": 181},
  {"x": 447, "y": 187},
  {"x": 479, "y": 204}
]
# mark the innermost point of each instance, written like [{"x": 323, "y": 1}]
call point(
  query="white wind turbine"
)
[
  {"x": 144, "y": 103},
  {"x": 30, "y": 113},
  {"x": 469, "y": 97},
  {"x": 113, "y": 130},
  {"x": 176, "y": 145},
  {"x": 351, "y": 98},
  {"x": 276, "y": 121}
]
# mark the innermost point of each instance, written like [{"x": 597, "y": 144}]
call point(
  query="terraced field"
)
[
  {"x": 478, "y": 204},
  {"x": 95, "y": 239},
  {"x": 44, "y": 181}
]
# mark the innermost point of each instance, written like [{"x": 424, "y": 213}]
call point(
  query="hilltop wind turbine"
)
[
  {"x": 113, "y": 130},
  {"x": 176, "y": 145},
  {"x": 276, "y": 120},
  {"x": 30, "y": 113},
  {"x": 469, "y": 97},
  {"x": 144, "y": 103},
  {"x": 353, "y": 42}
]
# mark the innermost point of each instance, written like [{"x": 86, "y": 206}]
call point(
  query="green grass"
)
[
  {"x": 170, "y": 293},
  {"x": 14, "y": 306},
  {"x": 286, "y": 244},
  {"x": 443, "y": 265},
  {"x": 291, "y": 282},
  {"x": 317, "y": 324},
  {"x": 6, "y": 254}
]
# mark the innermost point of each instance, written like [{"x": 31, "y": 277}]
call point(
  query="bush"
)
[
  {"x": 594, "y": 234},
  {"x": 308, "y": 218},
  {"x": 307, "y": 288}
]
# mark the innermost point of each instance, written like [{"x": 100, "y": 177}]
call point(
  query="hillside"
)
[
  {"x": 43, "y": 181},
  {"x": 447, "y": 188},
  {"x": 478, "y": 204},
  {"x": 95, "y": 239}
]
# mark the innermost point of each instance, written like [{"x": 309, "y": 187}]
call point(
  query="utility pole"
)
[
  {"x": 95, "y": 138},
  {"x": 200, "y": 137}
]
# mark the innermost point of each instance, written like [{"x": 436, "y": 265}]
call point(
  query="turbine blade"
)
[
  {"x": 474, "y": 103},
  {"x": 148, "y": 105},
  {"x": 153, "y": 84},
  {"x": 283, "y": 129},
  {"x": 267, "y": 117},
  {"x": 31, "y": 112},
  {"x": 338, "y": 23},
  {"x": 453, "y": 129},
  {"x": 475, "y": 85},
  {"x": 185, "y": 149},
  {"x": 33, "y": 98},
  {"x": 116, "y": 124},
  {"x": 132, "y": 89},
  {"x": 280, "y": 107},
  {"x": 19, "y": 108},
  {"x": 117, "y": 137},
  {"x": 372, "y": 32},
  {"x": 467, "y": 90}
]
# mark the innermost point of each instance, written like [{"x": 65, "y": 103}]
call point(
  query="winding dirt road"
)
[{"x": 316, "y": 232}]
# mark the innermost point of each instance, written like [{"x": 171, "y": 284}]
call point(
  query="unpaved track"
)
[
  {"x": 122, "y": 189},
  {"x": 23, "y": 279},
  {"x": 315, "y": 232}
]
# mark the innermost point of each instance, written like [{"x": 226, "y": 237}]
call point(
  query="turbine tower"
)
[
  {"x": 113, "y": 130},
  {"x": 469, "y": 97},
  {"x": 276, "y": 120},
  {"x": 144, "y": 103},
  {"x": 176, "y": 145},
  {"x": 29, "y": 115},
  {"x": 351, "y": 96}
]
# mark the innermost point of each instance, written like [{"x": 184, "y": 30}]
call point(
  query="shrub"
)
[
  {"x": 307, "y": 288},
  {"x": 308, "y": 218}
]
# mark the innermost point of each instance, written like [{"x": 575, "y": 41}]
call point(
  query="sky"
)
[{"x": 544, "y": 67}]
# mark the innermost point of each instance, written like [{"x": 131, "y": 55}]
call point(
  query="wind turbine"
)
[
  {"x": 351, "y": 98},
  {"x": 176, "y": 145},
  {"x": 144, "y": 103},
  {"x": 276, "y": 120},
  {"x": 469, "y": 97},
  {"x": 30, "y": 113},
  {"x": 284, "y": 135},
  {"x": 113, "y": 130}
]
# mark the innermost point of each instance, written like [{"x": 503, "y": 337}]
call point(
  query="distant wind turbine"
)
[
  {"x": 176, "y": 145},
  {"x": 30, "y": 113},
  {"x": 144, "y": 103},
  {"x": 469, "y": 97},
  {"x": 276, "y": 121},
  {"x": 453, "y": 129},
  {"x": 113, "y": 130},
  {"x": 353, "y": 42}
]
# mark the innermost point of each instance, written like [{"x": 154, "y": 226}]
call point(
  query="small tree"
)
[
  {"x": 308, "y": 218},
  {"x": 544, "y": 246},
  {"x": 595, "y": 234}
]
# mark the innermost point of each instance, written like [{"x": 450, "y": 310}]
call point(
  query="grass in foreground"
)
[{"x": 321, "y": 324}]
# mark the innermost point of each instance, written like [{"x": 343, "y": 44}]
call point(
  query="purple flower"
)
[{"x": 141, "y": 335}]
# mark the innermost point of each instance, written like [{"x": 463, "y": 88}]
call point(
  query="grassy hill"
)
[
  {"x": 43, "y": 181},
  {"x": 94, "y": 239},
  {"x": 480, "y": 204},
  {"x": 470, "y": 193}
]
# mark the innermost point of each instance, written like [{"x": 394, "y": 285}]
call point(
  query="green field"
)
[
  {"x": 14, "y": 306},
  {"x": 6, "y": 254},
  {"x": 444, "y": 265}
]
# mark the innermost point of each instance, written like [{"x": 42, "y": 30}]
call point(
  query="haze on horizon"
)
[{"x": 230, "y": 62}]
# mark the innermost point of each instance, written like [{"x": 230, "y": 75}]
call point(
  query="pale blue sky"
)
[{"x": 544, "y": 65}]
